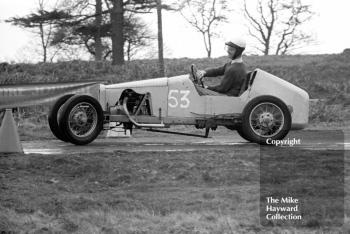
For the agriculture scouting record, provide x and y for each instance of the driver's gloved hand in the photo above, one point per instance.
(200, 74)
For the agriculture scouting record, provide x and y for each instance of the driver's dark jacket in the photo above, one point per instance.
(234, 76)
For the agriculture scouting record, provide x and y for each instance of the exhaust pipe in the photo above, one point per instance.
(125, 100)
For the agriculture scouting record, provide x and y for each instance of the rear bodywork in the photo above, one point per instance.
(177, 100)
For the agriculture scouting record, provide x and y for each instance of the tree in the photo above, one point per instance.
(160, 39)
(97, 36)
(117, 21)
(103, 27)
(119, 8)
(92, 28)
(276, 25)
(204, 16)
(42, 23)
(136, 35)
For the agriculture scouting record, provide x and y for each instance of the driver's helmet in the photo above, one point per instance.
(238, 43)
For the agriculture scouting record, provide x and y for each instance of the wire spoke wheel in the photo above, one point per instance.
(266, 119)
(82, 119)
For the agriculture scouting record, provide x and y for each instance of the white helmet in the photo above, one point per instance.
(237, 42)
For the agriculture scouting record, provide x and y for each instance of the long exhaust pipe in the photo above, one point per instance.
(161, 125)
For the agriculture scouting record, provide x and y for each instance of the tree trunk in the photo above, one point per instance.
(98, 23)
(43, 45)
(117, 33)
(267, 48)
(266, 52)
(128, 51)
(207, 48)
(160, 39)
(209, 45)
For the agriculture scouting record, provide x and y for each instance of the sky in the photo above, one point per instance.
(329, 27)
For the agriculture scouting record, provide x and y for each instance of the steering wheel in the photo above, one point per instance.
(196, 80)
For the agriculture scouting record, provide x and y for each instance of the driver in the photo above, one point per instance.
(234, 71)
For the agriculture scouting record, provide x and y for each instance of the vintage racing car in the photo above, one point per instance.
(266, 108)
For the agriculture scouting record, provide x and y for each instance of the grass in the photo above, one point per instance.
(323, 76)
(321, 112)
(209, 191)
(134, 222)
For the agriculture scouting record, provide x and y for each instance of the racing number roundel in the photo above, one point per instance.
(178, 98)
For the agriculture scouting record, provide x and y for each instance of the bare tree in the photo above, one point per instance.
(276, 25)
(204, 16)
(45, 37)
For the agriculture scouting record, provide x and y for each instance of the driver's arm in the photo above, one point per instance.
(228, 81)
(219, 71)
(223, 87)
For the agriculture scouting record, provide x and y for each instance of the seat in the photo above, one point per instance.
(248, 81)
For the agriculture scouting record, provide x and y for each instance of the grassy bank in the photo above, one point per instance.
(323, 76)
(214, 191)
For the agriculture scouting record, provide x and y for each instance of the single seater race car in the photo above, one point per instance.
(266, 108)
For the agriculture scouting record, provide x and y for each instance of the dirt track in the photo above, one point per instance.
(149, 141)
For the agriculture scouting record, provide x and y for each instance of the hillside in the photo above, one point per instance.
(323, 76)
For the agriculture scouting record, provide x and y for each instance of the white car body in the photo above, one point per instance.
(266, 108)
(180, 102)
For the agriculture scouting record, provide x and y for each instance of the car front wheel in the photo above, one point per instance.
(53, 118)
(81, 119)
(266, 118)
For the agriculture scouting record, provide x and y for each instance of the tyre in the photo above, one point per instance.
(239, 131)
(53, 117)
(242, 134)
(265, 117)
(81, 119)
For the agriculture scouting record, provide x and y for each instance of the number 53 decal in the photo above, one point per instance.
(178, 97)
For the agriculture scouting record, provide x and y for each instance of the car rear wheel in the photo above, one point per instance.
(53, 117)
(242, 134)
(81, 119)
(266, 118)
(239, 131)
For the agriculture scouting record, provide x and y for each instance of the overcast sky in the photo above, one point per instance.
(329, 26)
